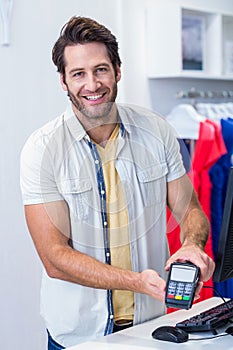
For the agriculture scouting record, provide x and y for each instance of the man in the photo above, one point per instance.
(95, 184)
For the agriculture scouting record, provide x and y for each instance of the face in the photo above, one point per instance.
(90, 80)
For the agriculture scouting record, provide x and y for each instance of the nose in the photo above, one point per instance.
(92, 82)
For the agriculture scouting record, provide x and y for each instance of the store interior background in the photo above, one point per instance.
(30, 96)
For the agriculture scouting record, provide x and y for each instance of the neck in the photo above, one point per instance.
(99, 129)
(101, 134)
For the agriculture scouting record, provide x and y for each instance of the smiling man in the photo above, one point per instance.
(96, 182)
(92, 83)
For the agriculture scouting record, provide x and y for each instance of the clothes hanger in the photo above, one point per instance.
(215, 111)
(185, 119)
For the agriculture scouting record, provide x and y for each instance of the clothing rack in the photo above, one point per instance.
(193, 94)
(219, 102)
(202, 105)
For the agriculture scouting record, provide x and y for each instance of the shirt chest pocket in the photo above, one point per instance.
(79, 196)
(152, 182)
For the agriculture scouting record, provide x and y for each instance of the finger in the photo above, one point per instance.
(198, 290)
(207, 270)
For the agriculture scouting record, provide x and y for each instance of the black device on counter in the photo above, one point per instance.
(224, 257)
(181, 285)
(170, 333)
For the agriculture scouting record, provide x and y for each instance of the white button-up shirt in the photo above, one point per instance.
(57, 163)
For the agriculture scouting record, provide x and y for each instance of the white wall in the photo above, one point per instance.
(30, 96)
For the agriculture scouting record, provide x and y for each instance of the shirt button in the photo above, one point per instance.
(102, 192)
(97, 161)
(111, 317)
(105, 223)
(107, 254)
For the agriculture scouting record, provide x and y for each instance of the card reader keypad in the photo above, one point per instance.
(179, 290)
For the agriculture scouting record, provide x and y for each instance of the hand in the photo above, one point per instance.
(194, 254)
(152, 284)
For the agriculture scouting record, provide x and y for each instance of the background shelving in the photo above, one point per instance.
(164, 43)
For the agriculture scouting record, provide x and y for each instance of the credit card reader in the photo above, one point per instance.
(181, 285)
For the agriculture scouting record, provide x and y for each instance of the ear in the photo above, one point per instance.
(118, 75)
(62, 81)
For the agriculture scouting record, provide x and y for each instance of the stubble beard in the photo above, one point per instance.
(97, 112)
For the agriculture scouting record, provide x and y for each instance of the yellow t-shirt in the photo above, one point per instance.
(123, 301)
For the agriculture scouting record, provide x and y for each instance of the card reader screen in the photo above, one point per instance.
(182, 273)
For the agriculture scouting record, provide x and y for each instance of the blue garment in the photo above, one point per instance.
(219, 177)
(52, 345)
(185, 151)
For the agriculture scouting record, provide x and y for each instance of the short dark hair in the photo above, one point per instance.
(82, 30)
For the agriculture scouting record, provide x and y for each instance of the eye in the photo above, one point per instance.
(78, 74)
(101, 70)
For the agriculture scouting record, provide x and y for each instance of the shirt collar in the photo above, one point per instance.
(78, 131)
(124, 120)
(74, 125)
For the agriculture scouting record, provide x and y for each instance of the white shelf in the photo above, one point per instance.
(190, 75)
(164, 43)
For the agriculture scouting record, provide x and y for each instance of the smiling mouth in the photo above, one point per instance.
(94, 97)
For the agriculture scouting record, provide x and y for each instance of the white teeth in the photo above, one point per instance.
(92, 98)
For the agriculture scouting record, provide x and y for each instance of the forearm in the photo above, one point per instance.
(49, 228)
(193, 235)
(194, 225)
(76, 267)
(73, 266)
(195, 228)
(186, 208)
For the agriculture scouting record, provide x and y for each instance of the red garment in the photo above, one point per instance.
(209, 148)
